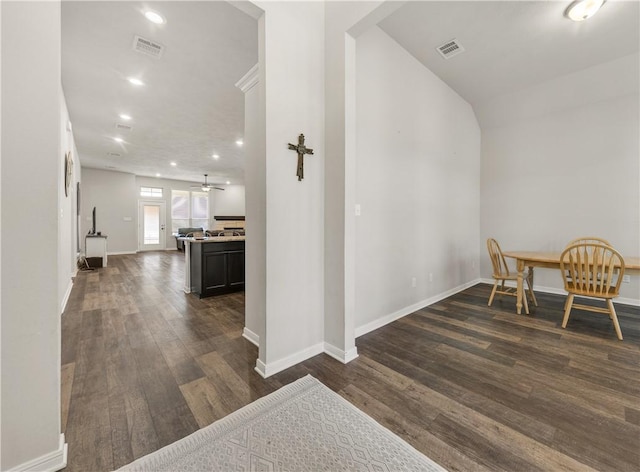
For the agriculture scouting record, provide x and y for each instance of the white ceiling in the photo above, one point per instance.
(189, 107)
(511, 45)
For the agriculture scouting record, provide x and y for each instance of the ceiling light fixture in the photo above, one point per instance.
(173, 164)
(206, 186)
(228, 182)
(124, 116)
(580, 10)
(135, 81)
(239, 142)
(118, 140)
(216, 156)
(157, 175)
(154, 17)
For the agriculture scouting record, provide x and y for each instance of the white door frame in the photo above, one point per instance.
(163, 226)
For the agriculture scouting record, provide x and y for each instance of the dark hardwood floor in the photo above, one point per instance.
(472, 387)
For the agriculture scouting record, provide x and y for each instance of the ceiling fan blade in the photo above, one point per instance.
(206, 186)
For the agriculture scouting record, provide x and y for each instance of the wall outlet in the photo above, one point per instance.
(626, 279)
(413, 281)
(430, 277)
(357, 209)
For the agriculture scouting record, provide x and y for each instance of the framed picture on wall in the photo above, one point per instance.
(78, 248)
(68, 172)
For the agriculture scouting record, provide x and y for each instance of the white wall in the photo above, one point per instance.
(230, 202)
(115, 196)
(1, 304)
(255, 225)
(67, 204)
(32, 153)
(294, 101)
(417, 172)
(561, 161)
(339, 233)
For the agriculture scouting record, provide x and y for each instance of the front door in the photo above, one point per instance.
(151, 229)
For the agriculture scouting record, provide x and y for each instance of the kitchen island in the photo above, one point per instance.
(213, 265)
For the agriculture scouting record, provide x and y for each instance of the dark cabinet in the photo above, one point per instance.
(217, 267)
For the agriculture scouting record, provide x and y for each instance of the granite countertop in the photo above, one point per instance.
(213, 239)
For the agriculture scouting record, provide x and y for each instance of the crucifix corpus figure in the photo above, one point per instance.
(301, 149)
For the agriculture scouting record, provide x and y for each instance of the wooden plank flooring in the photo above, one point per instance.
(473, 387)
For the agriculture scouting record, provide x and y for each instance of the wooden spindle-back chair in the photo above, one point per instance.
(593, 270)
(588, 240)
(501, 274)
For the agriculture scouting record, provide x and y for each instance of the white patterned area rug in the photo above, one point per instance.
(304, 426)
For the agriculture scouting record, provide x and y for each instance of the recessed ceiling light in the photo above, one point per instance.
(124, 116)
(216, 156)
(239, 142)
(135, 81)
(228, 182)
(157, 175)
(580, 10)
(154, 17)
(173, 164)
(118, 140)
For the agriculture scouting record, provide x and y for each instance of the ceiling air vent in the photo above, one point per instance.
(148, 47)
(450, 48)
(123, 127)
(113, 154)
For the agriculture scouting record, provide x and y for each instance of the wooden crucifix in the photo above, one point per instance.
(301, 149)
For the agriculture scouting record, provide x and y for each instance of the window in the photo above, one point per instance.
(179, 210)
(200, 209)
(189, 210)
(151, 192)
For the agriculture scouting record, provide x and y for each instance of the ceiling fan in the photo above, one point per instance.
(206, 187)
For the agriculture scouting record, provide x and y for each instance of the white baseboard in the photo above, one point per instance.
(271, 368)
(560, 291)
(121, 253)
(266, 370)
(339, 354)
(380, 322)
(625, 301)
(65, 297)
(261, 368)
(49, 462)
(252, 337)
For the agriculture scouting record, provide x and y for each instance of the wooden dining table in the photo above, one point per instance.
(549, 260)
